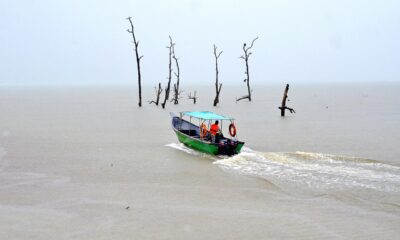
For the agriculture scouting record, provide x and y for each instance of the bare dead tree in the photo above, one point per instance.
(283, 106)
(246, 57)
(217, 87)
(177, 91)
(193, 97)
(167, 89)
(158, 93)
(136, 43)
(177, 95)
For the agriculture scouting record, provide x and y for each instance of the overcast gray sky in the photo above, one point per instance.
(85, 42)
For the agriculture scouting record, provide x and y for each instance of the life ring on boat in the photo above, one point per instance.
(232, 130)
(203, 130)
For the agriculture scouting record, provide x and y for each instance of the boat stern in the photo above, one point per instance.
(229, 147)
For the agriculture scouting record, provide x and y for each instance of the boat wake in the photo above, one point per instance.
(315, 172)
(311, 173)
(183, 148)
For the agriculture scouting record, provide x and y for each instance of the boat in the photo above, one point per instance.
(197, 136)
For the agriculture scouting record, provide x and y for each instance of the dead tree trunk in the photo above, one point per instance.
(158, 93)
(283, 106)
(245, 57)
(193, 97)
(217, 87)
(136, 43)
(177, 91)
(167, 89)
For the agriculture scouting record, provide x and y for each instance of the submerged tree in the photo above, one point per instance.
(245, 57)
(283, 106)
(136, 43)
(167, 89)
(193, 97)
(177, 91)
(158, 93)
(217, 87)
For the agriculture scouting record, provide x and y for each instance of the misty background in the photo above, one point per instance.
(85, 42)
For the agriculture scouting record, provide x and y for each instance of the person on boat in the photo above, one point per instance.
(215, 132)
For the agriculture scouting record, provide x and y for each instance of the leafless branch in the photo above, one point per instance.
(218, 86)
(136, 44)
(252, 43)
(246, 57)
(241, 98)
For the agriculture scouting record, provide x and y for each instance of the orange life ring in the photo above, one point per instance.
(203, 130)
(232, 130)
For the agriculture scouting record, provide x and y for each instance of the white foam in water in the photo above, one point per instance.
(315, 171)
(182, 147)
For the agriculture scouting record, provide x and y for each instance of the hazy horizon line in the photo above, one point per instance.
(183, 85)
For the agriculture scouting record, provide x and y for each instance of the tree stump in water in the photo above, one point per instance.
(158, 93)
(283, 107)
(193, 97)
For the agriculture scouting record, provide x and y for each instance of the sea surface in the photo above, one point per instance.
(88, 163)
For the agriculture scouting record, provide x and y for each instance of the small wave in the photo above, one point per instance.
(16, 179)
(2, 160)
(315, 171)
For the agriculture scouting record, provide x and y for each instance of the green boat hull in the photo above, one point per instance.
(206, 147)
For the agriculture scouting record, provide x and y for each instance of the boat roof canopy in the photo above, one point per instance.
(206, 115)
